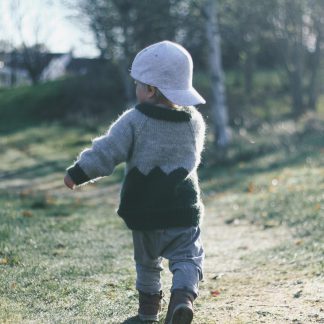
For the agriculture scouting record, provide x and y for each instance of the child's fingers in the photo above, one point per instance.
(69, 182)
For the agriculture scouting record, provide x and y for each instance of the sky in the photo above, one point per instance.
(59, 32)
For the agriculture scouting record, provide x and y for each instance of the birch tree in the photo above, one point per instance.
(295, 23)
(218, 99)
(317, 30)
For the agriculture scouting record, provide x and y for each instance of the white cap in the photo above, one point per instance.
(167, 66)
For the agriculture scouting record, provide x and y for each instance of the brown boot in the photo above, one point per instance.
(149, 306)
(180, 310)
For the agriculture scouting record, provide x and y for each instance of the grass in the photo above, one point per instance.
(66, 257)
(59, 252)
(279, 180)
(82, 100)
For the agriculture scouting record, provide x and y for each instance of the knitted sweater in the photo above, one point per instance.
(162, 149)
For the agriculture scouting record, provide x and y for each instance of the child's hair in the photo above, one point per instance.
(159, 97)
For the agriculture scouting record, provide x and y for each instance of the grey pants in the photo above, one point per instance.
(181, 246)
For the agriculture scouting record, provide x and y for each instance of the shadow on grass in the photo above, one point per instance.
(136, 320)
(40, 169)
(45, 168)
(237, 177)
(238, 170)
(133, 320)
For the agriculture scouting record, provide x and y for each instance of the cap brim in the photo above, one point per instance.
(189, 97)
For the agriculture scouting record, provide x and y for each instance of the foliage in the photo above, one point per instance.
(82, 100)
(255, 34)
(86, 100)
(34, 60)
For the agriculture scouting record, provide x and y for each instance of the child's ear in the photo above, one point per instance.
(151, 91)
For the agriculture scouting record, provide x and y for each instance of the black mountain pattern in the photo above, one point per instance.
(159, 200)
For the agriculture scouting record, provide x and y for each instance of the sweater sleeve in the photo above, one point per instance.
(199, 133)
(106, 152)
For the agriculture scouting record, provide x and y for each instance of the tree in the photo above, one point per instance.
(286, 33)
(218, 104)
(316, 28)
(34, 59)
(32, 53)
(243, 26)
(290, 35)
(122, 27)
(294, 23)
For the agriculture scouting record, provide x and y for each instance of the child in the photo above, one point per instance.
(161, 140)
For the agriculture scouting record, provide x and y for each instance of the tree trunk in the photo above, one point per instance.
(13, 76)
(297, 93)
(248, 72)
(315, 66)
(296, 81)
(218, 102)
(129, 90)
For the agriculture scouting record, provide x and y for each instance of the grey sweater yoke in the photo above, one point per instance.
(162, 150)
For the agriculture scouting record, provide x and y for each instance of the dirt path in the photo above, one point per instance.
(248, 276)
(250, 280)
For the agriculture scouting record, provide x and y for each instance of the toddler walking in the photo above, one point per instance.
(161, 140)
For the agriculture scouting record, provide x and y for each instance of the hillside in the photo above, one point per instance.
(66, 257)
(72, 100)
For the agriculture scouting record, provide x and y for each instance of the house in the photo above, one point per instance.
(13, 71)
(56, 68)
(10, 76)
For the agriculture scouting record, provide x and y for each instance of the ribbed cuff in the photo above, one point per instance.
(77, 174)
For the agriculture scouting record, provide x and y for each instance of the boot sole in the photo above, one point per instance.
(182, 315)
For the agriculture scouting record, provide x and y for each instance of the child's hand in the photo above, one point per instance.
(69, 182)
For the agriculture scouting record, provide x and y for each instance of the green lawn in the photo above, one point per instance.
(65, 256)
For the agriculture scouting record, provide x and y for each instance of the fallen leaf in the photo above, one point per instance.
(299, 242)
(27, 213)
(26, 193)
(49, 200)
(215, 293)
(264, 214)
(272, 189)
(251, 187)
(3, 261)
